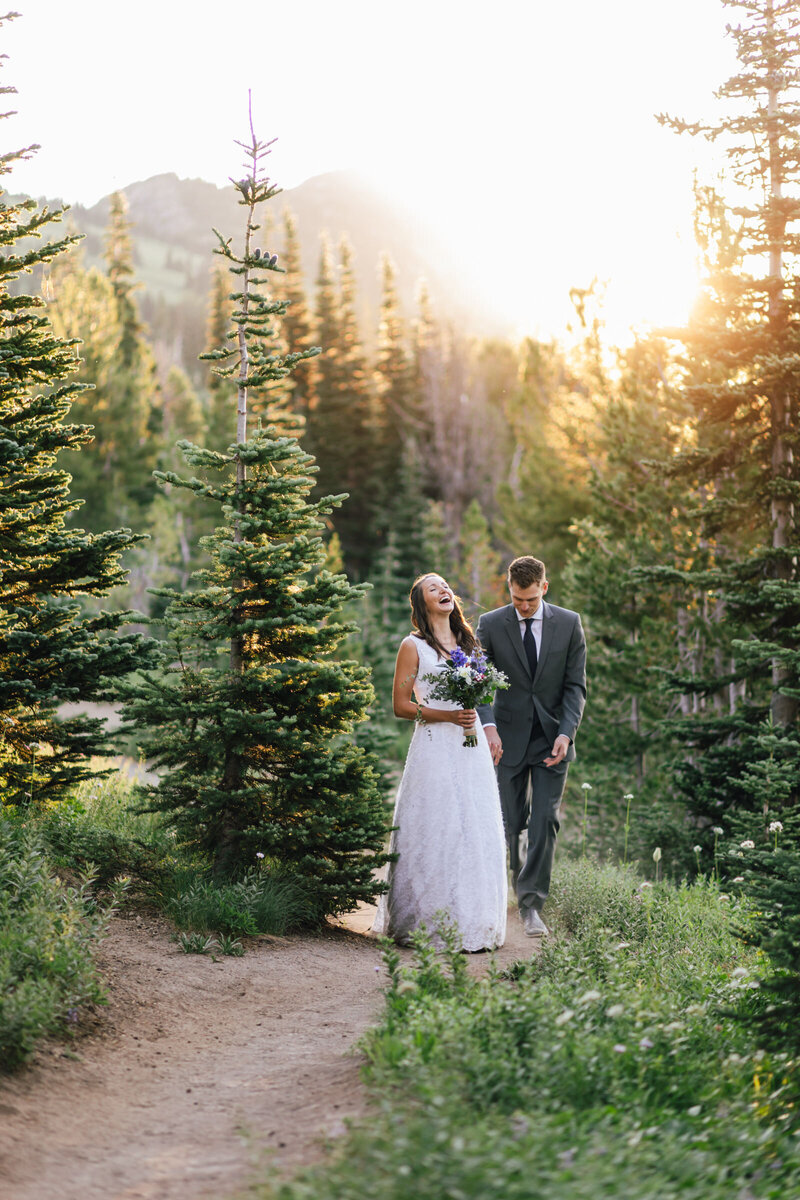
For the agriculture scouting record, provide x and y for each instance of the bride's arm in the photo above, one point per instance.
(403, 702)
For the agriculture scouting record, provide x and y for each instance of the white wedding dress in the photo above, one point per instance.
(449, 835)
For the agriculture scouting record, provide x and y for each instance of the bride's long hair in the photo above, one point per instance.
(461, 628)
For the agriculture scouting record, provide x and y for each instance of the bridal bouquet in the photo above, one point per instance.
(467, 680)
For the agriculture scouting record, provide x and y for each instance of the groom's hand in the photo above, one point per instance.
(560, 748)
(495, 745)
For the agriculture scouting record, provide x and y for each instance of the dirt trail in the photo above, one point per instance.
(196, 1069)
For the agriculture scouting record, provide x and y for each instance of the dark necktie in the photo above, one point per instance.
(529, 642)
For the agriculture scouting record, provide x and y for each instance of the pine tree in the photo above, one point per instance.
(342, 424)
(297, 323)
(50, 651)
(326, 332)
(743, 381)
(478, 575)
(550, 417)
(220, 312)
(394, 419)
(121, 404)
(256, 749)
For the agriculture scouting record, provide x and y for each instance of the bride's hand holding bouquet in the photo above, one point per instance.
(466, 680)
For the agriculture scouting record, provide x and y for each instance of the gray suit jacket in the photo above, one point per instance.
(557, 693)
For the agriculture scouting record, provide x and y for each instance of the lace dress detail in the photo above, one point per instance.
(449, 835)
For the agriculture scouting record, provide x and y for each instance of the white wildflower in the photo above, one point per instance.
(739, 972)
(716, 830)
(619, 1048)
(775, 827)
(616, 1010)
(646, 1044)
(586, 787)
(565, 1016)
(628, 796)
(748, 844)
(657, 854)
(697, 849)
(588, 997)
(739, 879)
(694, 1111)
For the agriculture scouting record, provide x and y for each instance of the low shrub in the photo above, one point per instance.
(265, 901)
(98, 827)
(48, 934)
(615, 1063)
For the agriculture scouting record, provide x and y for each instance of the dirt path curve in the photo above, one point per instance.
(196, 1068)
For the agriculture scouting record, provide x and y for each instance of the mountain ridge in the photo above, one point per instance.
(172, 231)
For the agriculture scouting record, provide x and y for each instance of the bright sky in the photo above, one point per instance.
(521, 131)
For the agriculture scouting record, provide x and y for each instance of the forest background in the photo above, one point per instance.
(622, 468)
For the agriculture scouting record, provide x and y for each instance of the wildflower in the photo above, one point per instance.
(748, 844)
(34, 746)
(723, 897)
(619, 1048)
(646, 1044)
(616, 1010)
(587, 997)
(622, 945)
(657, 854)
(739, 879)
(716, 830)
(738, 972)
(565, 1016)
(645, 884)
(628, 796)
(377, 968)
(259, 853)
(775, 827)
(697, 849)
(586, 787)
(694, 1111)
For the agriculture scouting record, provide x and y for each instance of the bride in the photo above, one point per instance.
(448, 826)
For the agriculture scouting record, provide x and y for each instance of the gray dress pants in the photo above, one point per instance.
(530, 793)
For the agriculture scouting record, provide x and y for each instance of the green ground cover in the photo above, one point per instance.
(618, 1063)
(66, 867)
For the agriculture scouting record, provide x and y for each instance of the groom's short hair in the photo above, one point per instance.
(526, 571)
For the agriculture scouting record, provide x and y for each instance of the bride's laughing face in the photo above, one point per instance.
(439, 598)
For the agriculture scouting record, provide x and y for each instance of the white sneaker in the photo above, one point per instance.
(533, 924)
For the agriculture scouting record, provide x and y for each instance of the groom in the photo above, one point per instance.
(531, 726)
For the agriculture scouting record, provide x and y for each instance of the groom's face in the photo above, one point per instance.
(527, 600)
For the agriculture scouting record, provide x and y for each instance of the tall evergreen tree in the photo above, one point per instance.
(50, 651)
(218, 328)
(114, 473)
(256, 750)
(743, 381)
(393, 416)
(341, 423)
(550, 416)
(297, 321)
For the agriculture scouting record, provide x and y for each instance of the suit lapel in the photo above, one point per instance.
(512, 629)
(547, 637)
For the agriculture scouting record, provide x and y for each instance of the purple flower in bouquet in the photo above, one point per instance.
(466, 680)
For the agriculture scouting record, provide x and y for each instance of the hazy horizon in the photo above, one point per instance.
(534, 123)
